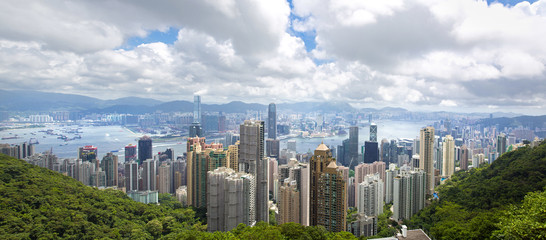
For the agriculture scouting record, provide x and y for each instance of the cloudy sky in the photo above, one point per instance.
(453, 55)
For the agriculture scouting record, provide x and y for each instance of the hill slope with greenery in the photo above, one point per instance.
(477, 204)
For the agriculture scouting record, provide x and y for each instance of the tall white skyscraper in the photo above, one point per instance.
(408, 194)
(197, 109)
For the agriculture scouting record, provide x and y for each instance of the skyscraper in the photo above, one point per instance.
(299, 172)
(149, 175)
(253, 161)
(426, 158)
(501, 144)
(328, 192)
(164, 178)
(88, 153)
(373, 132)
(144, 149)
(197, 109)
(289, 202)
(272, 148)
(371, 152)
(351, 153)
(408, 194)
(109, 165)
(272, 121)
(131, 176)
(130, 153)
(448, 156)
(370, 195)
(464, 158)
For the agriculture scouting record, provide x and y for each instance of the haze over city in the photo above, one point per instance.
(456, 55)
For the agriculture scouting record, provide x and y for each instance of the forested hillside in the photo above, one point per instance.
(487, 203)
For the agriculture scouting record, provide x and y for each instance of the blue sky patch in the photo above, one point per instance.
(509, 2)
(168, 37)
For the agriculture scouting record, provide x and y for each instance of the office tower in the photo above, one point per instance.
(88, 154)
(272, 175)
(252, 160)
(373, 132)
(233, 157)
(371, 152)
(109, 165)
(409, 190)
(272, 121)
(230, 199)
(351, 195)
(328, 193)
(385, 150)
(291, 145)
(130, 153)
(289, 202)
(196, 130)
(464, 158)
(448, 156)
(144, 149)
(501, 144)
(426, 161)
(370, 195)
(164, 178)
(197, 109)
(352, 152)
(131, 176)
(272, 148)
(168, 154)
(149, 175)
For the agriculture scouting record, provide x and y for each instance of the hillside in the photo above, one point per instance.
(476, 204)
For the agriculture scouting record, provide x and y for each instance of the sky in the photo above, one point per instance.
(438, 55)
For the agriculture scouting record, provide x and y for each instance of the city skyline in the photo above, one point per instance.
(420, 55)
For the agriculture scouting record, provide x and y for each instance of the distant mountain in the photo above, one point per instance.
(316, 107)
(530, 122)
(133, 101)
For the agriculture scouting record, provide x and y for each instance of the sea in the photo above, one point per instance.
(115, 138)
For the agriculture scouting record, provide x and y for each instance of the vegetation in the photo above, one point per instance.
(486, 203)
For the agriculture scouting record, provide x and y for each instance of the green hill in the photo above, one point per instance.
(38, 203)
(477, 204)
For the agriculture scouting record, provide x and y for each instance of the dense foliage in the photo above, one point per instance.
(477, 204)
(36, 203)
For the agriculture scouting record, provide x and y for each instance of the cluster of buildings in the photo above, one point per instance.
(246, 176)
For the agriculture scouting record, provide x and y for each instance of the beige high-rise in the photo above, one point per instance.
(426, 158)
(289, 202)
(448, 166)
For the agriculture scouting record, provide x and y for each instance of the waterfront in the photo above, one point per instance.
(115, 138)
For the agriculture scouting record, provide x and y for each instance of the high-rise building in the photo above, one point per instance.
(131, 176)
(197, 166)
(352, 152)
(272, 121)
(464, 158)
(370, 195)
(109, 165)
(233, 156)
(88, 154)
(230, 199)
(328, 192)
(253, 161)
(196, 130)
(385, 151)
(272, 176)
(289, 202)
(409, 190)
(426, 161)
(144, 149)
(179, 169)
(365, 169)
(164, 178)
(130, 153)
(197, 109)
(149, 175)
(272, 148)
(448, 156)
(373, 132)
(371, 152)
(501, 144)
(299, 172)
(390, 174)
